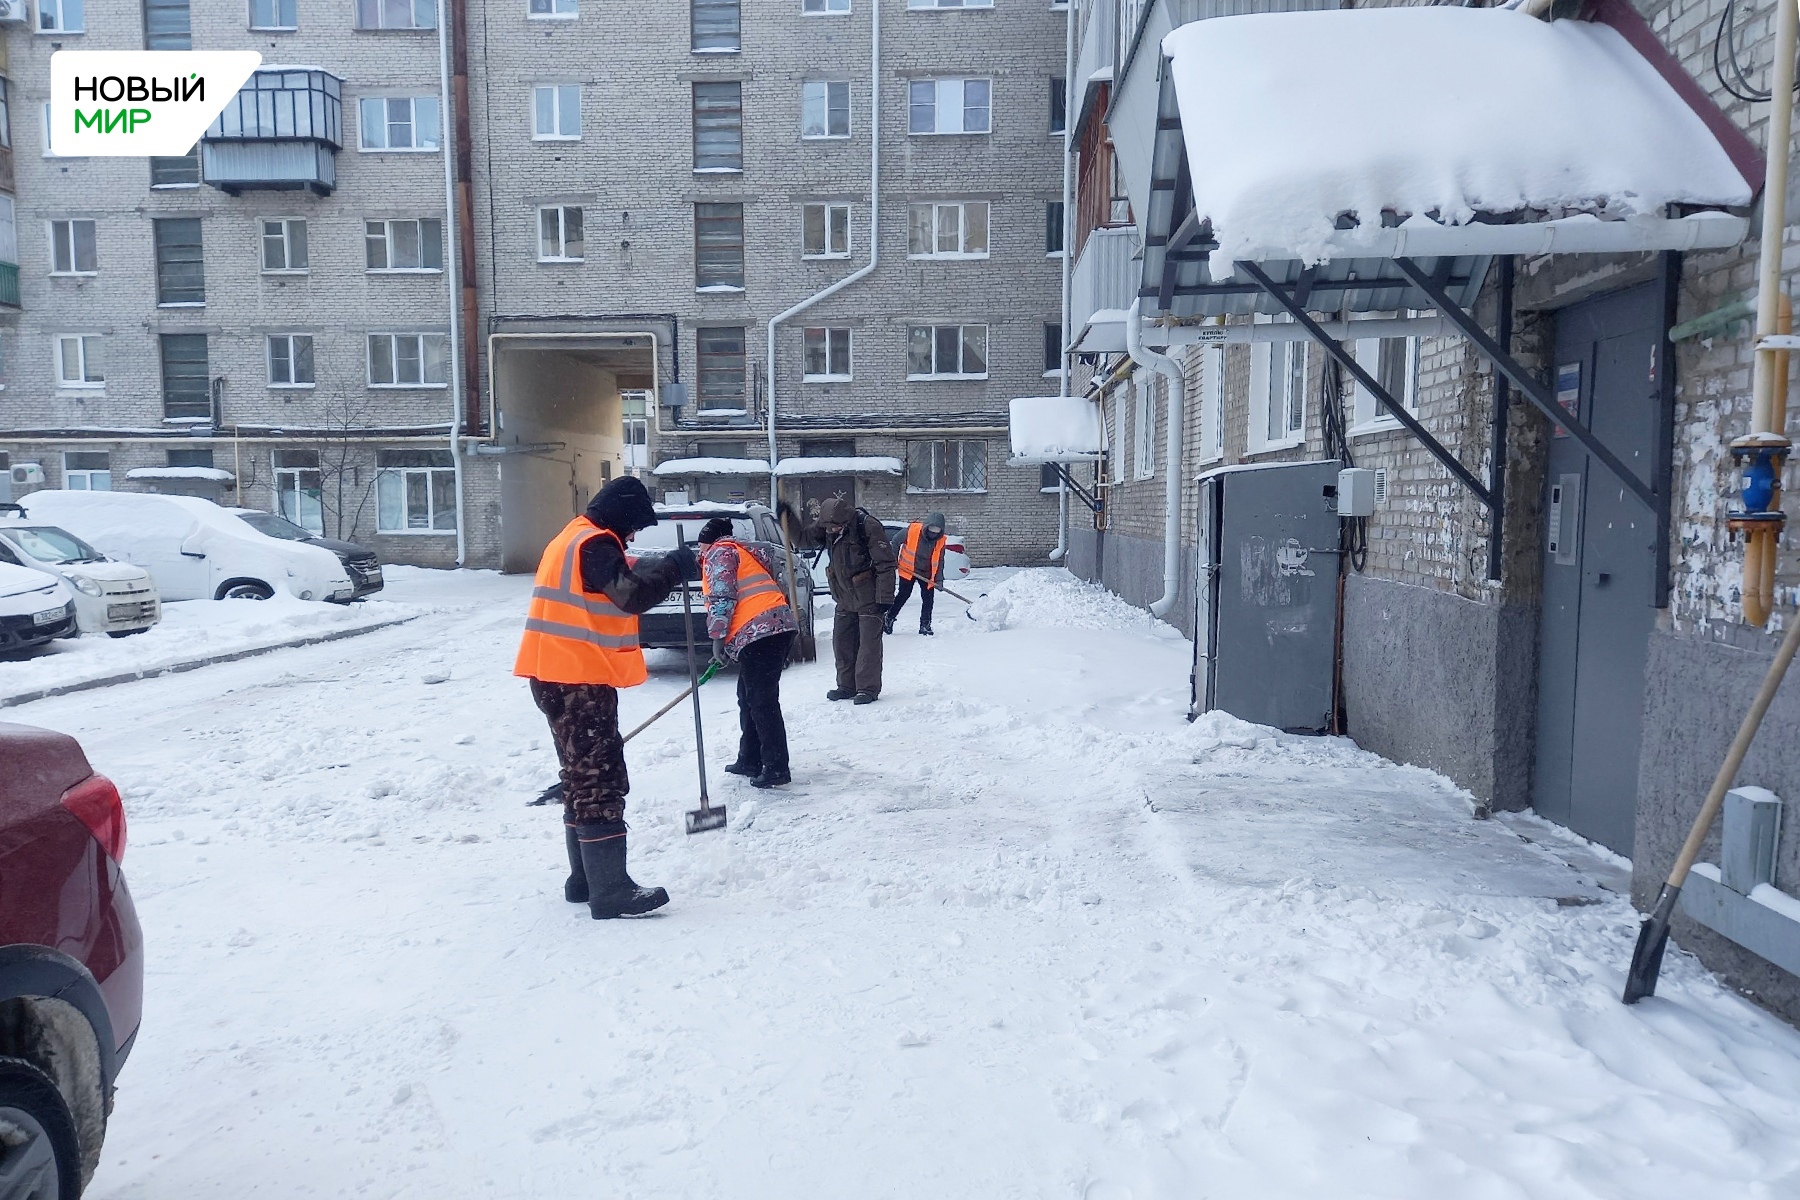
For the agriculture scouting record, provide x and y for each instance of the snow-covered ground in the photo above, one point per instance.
(1017, 930)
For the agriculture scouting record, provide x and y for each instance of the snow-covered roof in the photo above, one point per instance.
(859, 464)
(1055, 429)
(1453, 114)
(212, 474)
(711, 466)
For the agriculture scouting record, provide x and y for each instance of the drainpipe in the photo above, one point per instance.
(451, 280)
(1068, 259)
(861, 272)
(1762, 453)
(1170, 370)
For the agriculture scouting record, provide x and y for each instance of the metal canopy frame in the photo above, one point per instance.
(1092, 501)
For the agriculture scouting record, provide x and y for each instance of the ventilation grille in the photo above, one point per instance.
(1381, 485)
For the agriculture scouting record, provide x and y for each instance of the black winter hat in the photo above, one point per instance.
(622, 506)
(713, 530)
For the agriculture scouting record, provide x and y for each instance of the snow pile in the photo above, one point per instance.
(860, 464)
(1051, 598)
(1055, 428)
(1500, 112)
(711, 466)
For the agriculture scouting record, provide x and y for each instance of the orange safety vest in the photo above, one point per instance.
(573, 635)
(757, 591)
(909, 555)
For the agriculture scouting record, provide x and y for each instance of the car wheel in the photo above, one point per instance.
(119, 633)
(245, 589)
(39, 1156)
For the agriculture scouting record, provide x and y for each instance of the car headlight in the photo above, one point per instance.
(84, 585)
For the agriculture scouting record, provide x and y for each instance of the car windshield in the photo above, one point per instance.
(47, 543)
(661, 536)
(275, 527)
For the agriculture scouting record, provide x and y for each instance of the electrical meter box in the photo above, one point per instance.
(1356, 492)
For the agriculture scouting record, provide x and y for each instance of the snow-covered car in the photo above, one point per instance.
(35, 608)
(360, 561)
(661, 627)
(194, 549)
(114, 598)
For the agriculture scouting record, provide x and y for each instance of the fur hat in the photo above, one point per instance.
(834, 511)
(622, 506)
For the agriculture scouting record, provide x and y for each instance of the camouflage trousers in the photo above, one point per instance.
(584, 724)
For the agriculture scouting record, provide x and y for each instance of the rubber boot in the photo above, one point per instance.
(611, 890)
(575, 888)
(741, 767)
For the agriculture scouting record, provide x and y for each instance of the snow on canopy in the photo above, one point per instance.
(213, 474)
(1444, 111)
(1055, 428)
(859, 464)
(712, 466)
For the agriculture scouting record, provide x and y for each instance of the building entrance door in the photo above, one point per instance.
(1599, 570)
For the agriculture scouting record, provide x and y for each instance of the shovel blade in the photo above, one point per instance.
(701, 820)
(1653, 939)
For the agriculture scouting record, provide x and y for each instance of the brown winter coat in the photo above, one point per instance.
(861, 569)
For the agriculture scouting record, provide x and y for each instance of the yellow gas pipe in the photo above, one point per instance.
(1759, 543)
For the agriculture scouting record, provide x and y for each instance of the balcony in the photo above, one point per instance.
(9, 285)
(281, 132)
(1102, 287)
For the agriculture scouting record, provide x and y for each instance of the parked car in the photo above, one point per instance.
(71, 962)
(662, 626)
(956, 555)
(360, 561)
(194, 549)
(34, 609)
(114, 598)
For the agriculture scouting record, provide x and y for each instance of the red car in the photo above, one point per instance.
(71, 963)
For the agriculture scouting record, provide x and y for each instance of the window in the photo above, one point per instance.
(946, 352)
(396, 14)
(958, 229)
(60, 16)
(719, 246)
(1053, 227)
(167, 25)
(398, 122)
(825, 108)
(721, 366)
(404, 245)
(1212, 404)
(1278, 390)
(554, 10)
(1143, 446)
(559, 234)
(827, 354)
(953, 466)
(180, 271)
(5, 115)
(407, 360)
(72, 248)
(201, 456)
(719, 126)
(298, 489)
(1394, 362)
(1052, 347)
(290, 360)
(1059, 105)
(415, 491)
(635, 406)
(949, 3)
(717, 26)
(187, 391)
(825, 231)
(1050, 478)
(182, 171)
(78, 361)
(87, 471)
(274, 14)
(556, 113)
(814, 8)
(284, 245)
(950, 106)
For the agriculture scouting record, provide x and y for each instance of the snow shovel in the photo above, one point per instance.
(555, 790)
(706, 817)
(968, 612)
(1653, 934)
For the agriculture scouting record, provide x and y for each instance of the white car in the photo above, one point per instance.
(34, 608)
(194, 549)
(114, 598)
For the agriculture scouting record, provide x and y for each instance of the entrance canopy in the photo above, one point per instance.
(1055, 429)
(855, 464)
(677, 467)
(1324, 145)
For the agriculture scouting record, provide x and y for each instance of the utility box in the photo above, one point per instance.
(1356, 492)
(1266, 605)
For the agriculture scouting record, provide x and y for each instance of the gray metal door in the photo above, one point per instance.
(1206, 600)
(1599, 571)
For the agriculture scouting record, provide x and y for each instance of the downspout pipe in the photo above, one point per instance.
(862, 272)
(1067, 362)
(1170, 370)
(452, 283)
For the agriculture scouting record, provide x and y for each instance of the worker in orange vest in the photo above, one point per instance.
(581, 647)
(921, 561)
(751, 623)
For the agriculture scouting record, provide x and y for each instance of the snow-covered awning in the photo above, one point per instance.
(1457, 132)
(673, 467)
(209, 474)
(1051, 429)
(859, 464)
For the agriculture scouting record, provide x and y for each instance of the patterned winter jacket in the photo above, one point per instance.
(721, 566)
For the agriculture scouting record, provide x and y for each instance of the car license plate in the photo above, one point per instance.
(49, 616)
